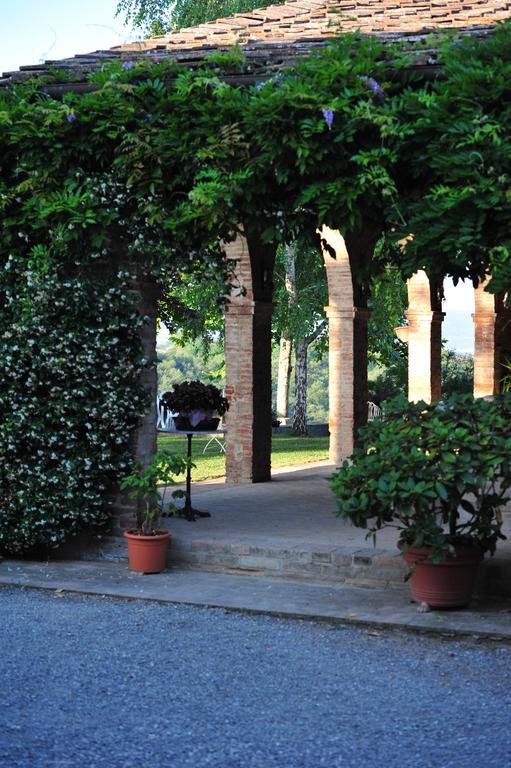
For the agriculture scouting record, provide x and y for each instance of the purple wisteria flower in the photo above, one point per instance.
(373, 86)
(127, 65)
(71, 117)
(260, 85)
(329, 115)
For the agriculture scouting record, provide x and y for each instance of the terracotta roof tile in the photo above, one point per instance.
(320, 18)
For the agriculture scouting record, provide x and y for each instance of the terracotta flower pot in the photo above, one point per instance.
(402, 332)
(206, 425)
(448, 584)
(147, 554)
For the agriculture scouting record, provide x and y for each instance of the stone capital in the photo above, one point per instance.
(481, 318)
(240, 310)
(424, 317)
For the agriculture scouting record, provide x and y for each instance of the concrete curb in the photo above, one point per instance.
(380, 609)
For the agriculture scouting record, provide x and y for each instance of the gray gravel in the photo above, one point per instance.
(102, 683)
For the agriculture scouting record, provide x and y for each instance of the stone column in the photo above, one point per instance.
(492, 340)
(424, 336)
(347, 352)
(248, 361)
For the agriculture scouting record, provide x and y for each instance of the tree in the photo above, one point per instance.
(184, 362)
(300, 295)
(455, 192)
(159, 16)
(457, 373)
(286, 342)
(192, 306)
(387, 302)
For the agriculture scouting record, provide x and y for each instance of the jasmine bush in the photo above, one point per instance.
(69, 400)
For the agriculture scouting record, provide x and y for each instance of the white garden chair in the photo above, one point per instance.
(373, 411)
(164, 417)
(215, 439)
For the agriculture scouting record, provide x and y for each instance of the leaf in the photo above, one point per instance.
(441, 490)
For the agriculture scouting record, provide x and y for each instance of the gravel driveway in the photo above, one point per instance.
(101, 683)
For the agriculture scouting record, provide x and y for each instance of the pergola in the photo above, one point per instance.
(271, 38)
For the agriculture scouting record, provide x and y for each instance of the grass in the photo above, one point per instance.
(286, 451)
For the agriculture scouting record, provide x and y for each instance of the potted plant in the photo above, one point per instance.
(147, 543)
(440, 474)
(196, 403)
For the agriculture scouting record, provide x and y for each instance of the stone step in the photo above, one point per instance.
(366, 567)
(363, 567)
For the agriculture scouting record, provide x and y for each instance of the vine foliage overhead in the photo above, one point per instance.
(144, 176)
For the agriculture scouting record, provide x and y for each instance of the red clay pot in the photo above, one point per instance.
(147, 554)
(206, 425)
(448, 584)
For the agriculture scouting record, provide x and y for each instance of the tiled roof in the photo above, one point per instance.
(271, 37)
(301, 20)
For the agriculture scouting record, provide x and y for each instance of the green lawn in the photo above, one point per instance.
(286, 451)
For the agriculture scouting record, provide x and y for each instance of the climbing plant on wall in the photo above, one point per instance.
(83, 221)
(70, 397)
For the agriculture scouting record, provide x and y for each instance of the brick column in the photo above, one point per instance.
(492, 340)
(424, 336)
(347, 351)
(144, 439)
(347, 380)
(248, 361)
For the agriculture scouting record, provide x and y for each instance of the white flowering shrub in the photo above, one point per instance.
(69, 400)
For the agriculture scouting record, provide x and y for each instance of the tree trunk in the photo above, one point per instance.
(300, 409)
(284, 375)
(286, 343)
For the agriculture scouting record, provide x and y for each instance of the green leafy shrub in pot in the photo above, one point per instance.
(438, 473)
(142, 481)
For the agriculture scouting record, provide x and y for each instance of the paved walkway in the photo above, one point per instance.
(389, 608)
(277, 548)
(287, 528)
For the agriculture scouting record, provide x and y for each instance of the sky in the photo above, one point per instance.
(458, 327)
(32, 31)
